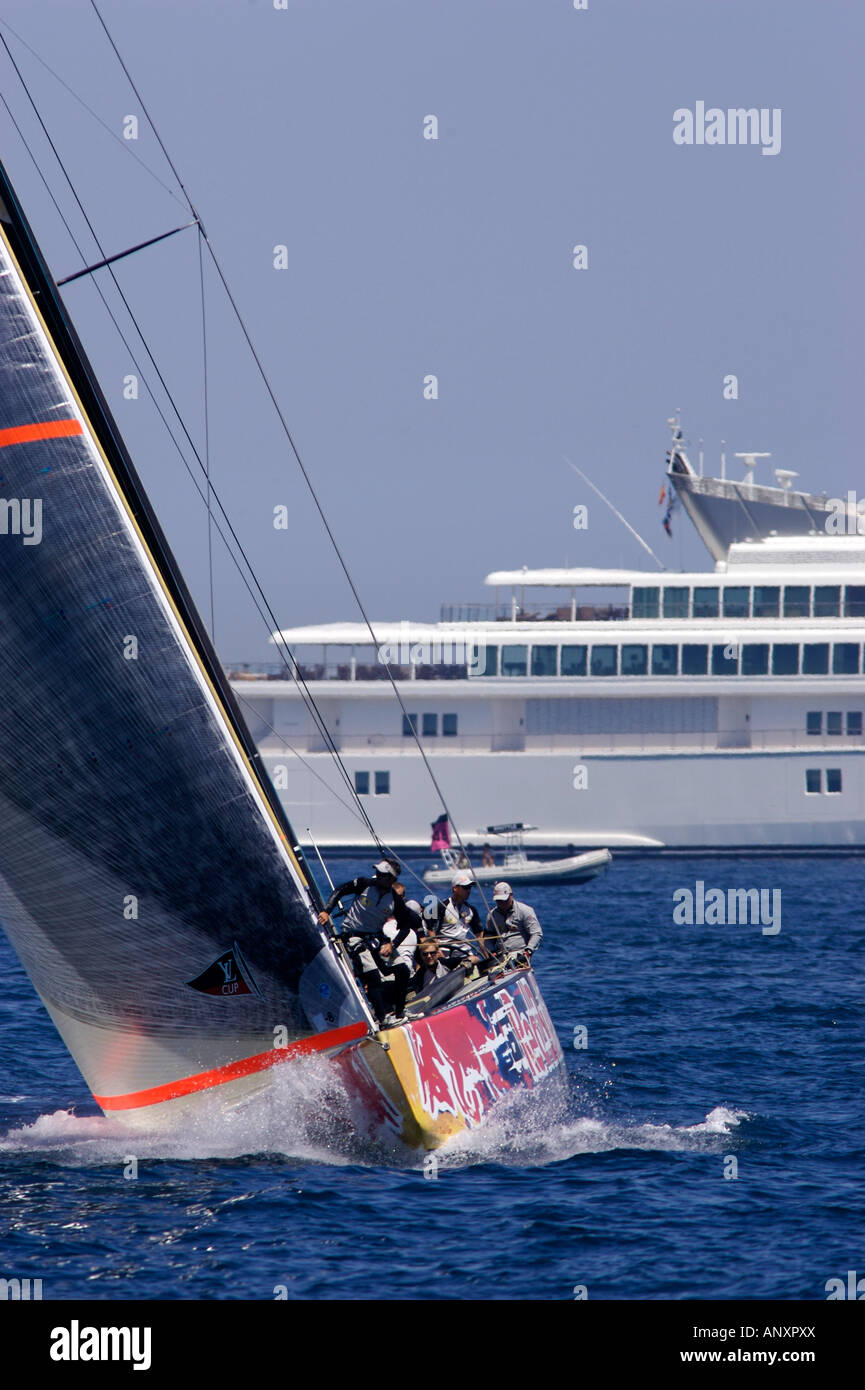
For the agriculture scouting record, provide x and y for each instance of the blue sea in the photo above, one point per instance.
(710, 1147)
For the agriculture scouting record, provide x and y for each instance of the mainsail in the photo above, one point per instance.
(142, 848)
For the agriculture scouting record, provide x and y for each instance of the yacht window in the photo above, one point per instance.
(635, 660)
(785, 659)
(833, 721)
(815, 659)
(695, 660)
(514, 661)
(644, 603)
(604, 661)
(767, 601)
(755, 659)
(430, 726)
(833, 780)
(361, 783)
(736, 603)
(488, 661)
(543, 661)
(725, 659)
(382, 784)
(705, 603)
(409, 725)
(797, 601)
(676, 603)
(574, 661)
(827, 600)
(854, 723)
(814, 721)
(449, 725)
(854, 601)
(813, 780)
(665, 660)
(845, 659)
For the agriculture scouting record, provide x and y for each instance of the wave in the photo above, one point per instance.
(306, 1116)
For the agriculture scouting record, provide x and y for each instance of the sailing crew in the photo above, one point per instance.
(396, 965)
(457, 925)
(377, 900)
(430, 965)
(513, 926)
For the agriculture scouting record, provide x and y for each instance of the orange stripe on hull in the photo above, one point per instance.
(205, 1080)
(48, 429)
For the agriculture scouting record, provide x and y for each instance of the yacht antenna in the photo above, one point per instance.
(615, 512)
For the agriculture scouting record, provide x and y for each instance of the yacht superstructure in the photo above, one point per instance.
(720, 709)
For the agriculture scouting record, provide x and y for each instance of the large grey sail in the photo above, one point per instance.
(138, 850)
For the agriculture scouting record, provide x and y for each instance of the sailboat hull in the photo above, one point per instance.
(417, 1085)
(435, 1077)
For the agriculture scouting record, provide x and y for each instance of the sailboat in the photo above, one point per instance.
(150, 882)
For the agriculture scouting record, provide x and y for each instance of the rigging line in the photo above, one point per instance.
(127, 146)
(335, 545)
(266, 380)
(242, 699)
(128, 75)
(206, 438)
(382, 844)
(616, 513)
(302, 686)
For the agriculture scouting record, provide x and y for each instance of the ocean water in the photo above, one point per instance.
(710, 1146)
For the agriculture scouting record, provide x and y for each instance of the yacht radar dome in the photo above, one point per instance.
(750, 460)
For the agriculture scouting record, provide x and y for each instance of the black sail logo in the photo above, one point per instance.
(227, 976)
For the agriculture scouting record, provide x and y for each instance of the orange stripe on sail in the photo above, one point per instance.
(205, 1080)
(48, 429)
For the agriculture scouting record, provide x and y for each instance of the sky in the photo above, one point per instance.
(406, 257)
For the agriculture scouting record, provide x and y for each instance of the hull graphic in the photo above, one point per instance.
(443, 1074)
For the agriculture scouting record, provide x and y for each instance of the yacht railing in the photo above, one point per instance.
(343, 671)
(720, 740)
(533, 612)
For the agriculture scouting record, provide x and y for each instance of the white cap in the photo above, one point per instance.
(415, 906)
(462, 880)
(501, 892)
(383, 867)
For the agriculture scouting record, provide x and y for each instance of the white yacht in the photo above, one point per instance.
(719, 710)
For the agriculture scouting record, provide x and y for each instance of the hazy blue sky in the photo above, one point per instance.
(408, 256)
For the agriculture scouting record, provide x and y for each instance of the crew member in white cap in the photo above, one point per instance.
(375, 900)
(457, 925)
(514, 924)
